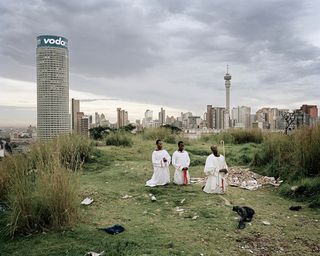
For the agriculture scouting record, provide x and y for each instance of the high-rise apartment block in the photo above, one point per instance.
(162, 116)
(241, 117)
(75, 108)
(215, 117)
(122, 118)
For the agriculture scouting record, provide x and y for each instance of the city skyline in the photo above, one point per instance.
(274, 61)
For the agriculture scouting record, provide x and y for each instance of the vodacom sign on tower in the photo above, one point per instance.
(54, 41)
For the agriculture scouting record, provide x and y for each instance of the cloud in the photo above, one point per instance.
(172, 53)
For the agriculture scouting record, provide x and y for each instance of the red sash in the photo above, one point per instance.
(185, 177)
(222, 184)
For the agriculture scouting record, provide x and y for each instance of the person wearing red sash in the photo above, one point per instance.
(181, 162)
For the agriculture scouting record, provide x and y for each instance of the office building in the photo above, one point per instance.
(162, 116)
(52, 86)
(75, 108)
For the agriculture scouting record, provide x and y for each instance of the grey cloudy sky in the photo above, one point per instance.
(149, 53)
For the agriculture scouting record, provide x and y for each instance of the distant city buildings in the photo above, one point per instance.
(308, 115)
(215, 117)
(52, 86)
(122, 118)
(75, 108)
(241, 117)
(162, 116)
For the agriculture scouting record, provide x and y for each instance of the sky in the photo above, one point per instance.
(148, 54)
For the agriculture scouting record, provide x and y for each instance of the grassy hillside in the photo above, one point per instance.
(155, 228)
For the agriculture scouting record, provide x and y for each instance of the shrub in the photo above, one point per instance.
(74, 150)
(119, 139)
(216, 138)
(307, 150)
(307, 189)
(40, 188)
(156, 133)
(38, 201)
(242, 136)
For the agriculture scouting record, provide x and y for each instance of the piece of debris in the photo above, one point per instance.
(294, 188)
(195, 217)
(126, 197)
(182, 201)
(116, 229)
(94, 254)
(244, 178)
(295, 208)
(153, 198)
(266, 222)
(198, 180)
(87, 201)
(178, 209)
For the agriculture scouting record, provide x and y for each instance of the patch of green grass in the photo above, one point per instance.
(156, 228)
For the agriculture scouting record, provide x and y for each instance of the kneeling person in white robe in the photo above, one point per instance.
(216, 170)
(161, 161)
(181, 162)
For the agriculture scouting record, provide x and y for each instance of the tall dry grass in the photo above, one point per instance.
(40, 188)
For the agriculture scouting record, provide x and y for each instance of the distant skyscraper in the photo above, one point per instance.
(215, 117)
(162, 116)
(80, 115)
(75, 108)
(227, 78)
(241, 117)
(148, 115)
(52, 86)
(84, 126)
(122, 118)
(97, 118)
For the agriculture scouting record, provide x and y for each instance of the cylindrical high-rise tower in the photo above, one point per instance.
(52, 86)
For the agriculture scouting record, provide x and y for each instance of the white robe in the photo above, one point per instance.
(161, 173)
(216, 182)
(180, 160)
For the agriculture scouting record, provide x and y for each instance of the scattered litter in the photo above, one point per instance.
(198, 180)
(87, 201)
(195, 217)
(244, 178)
(294, 188)
(182, 201)
(178, 209)
(126, 197)
(266, 222)
(116, 229)
(295, 208)
(94, 254)
(152, 197)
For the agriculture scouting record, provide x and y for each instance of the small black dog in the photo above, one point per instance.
(246, 215)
